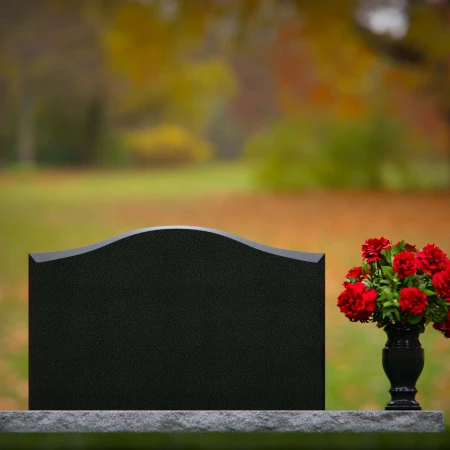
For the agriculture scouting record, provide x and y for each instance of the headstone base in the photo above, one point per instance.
(221, 421)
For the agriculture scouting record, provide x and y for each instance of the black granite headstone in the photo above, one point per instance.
(177, 318)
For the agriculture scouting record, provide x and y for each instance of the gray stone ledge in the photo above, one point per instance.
(221, 421)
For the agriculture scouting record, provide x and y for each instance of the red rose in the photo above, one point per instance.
(431, 259)
(441, 282)
(372, 249)
(404, 264)
(356, 303)
(355, 272)
(409, 247)
(412, 300)
(444, 327)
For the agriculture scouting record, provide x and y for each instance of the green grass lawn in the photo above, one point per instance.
(57, 210)
(236, 441)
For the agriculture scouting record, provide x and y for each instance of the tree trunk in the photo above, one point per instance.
(94, 128)
(441, 86)
(26, 146)
(2, 123)
(446, 113)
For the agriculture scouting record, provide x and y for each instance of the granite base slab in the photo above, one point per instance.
(221, 421)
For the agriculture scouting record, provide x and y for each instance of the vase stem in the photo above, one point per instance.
(403, 361)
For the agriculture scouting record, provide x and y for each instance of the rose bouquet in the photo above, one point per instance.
(396, 284)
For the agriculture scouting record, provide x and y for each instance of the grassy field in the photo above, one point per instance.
(49, 211)
(235, 441)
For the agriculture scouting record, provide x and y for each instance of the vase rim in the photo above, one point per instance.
(404, 326)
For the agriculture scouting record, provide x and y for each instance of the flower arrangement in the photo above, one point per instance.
(396, 284)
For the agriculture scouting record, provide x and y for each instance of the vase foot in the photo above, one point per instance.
(403, 406)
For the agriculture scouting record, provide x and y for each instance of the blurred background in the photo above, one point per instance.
(305, 125)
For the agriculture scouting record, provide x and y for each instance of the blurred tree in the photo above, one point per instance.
(44, 47)
(158, 54)
(130, 63)
(420, 42)
(321, 63)
(3, 109)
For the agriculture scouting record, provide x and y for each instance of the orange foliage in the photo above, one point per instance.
(351, 107)
(323, 64)
(321, 94)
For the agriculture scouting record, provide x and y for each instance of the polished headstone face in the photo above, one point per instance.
(177, 318)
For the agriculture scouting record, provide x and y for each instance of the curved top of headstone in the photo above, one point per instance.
(52, 256)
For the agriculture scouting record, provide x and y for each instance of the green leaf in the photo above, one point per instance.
(388, 271)
(395, 249)
(415, 319)
(388, 311)
(387, 254)
(392, 313)
(389, 303)
(388, 294)
(423, 286)
(397, 314)
(428, 293)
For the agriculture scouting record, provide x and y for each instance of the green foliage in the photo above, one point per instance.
(59, 136)
(283, 151)
(112, 151)
(60, 133)
(322, 151)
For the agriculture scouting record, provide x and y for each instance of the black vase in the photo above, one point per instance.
(403, 360)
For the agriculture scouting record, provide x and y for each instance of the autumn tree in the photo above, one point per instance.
(44, 47)
(130, 62)
(422, 49)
